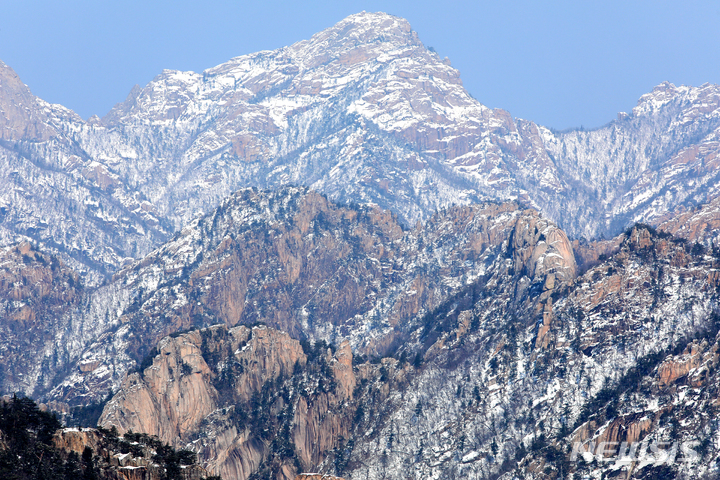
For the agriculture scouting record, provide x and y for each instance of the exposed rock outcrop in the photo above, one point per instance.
(301, 264)
(694, 364)
(134, 457)
(255, 389)
(700, 224)
(21, 113)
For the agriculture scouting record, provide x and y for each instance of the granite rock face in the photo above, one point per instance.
(299, 263)
(21, 114)
(247, 400)
(506, 367)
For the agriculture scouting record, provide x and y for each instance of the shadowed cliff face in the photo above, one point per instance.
(37, 296)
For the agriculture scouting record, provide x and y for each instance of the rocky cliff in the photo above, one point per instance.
(410, 316)
(34, 445)
(514, 390)
(499, 379)
(37, 294)
(249, 401)
(301, 264)
(128, 457)
(500, 358)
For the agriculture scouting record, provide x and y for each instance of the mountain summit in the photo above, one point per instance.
(362, 112)
(322, 258)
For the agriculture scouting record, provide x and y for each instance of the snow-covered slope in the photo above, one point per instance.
(355, 112)
(484, 296)
(53, 192)
(501, 376)
(643, 165)
(362, 112)
(299, 263)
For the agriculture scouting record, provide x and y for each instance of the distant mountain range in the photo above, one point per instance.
(362, 112)
(331, 257)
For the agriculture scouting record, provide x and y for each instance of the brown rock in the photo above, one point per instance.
(543, 339)
(316, 476)
(181, 390)
(112, 463)
(75, 440)
(627, 428)
(688, 364)
(540, 248)
(20, 116)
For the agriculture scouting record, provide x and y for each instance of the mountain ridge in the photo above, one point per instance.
(363, 278)
(334, 244)
(362, 112)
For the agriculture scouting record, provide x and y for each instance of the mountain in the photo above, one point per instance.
(436, 350)
(55, 194)
(500, 379)
(362, 112)
(330, 257)
(299, 263)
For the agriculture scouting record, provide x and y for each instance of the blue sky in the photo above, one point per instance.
(562, 64)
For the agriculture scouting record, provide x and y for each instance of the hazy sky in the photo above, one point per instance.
(561, 64)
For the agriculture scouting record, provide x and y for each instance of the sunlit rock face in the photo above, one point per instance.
(297, 262)
(528, 353)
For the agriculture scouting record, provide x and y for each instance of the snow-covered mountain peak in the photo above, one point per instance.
(367, 28)
(358, 35)
(362, 112)
(705, 97)
(654, 100)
